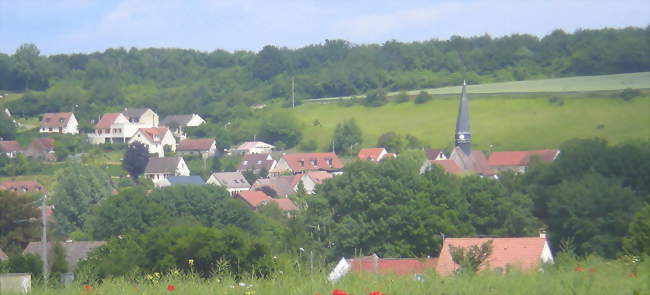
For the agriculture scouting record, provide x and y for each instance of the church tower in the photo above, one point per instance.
(463, 138)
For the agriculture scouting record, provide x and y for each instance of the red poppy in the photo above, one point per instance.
(376, 293)
(631, 276)
(579, 269)
(338, 292)
(88, 287)
(592, 270)
(171, 288)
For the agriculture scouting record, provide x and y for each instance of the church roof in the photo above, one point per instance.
(462, 138)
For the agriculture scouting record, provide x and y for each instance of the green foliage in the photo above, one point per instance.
(58, 265)
(79, 189)
(129, 211)
(391, 141)
(7, 126)
(402, 97)
(135, 160)
(26, 263)
(229, 163)
(423, 97)
(281, 127)
(309, 145)
(375, 98)
(470, 259)
(347, 137)
(17, 231)
(630, 93)
(637, 240)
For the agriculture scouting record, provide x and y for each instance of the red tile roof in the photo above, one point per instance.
(285, 204)
(432, 154)
(312, 161)
(545, 156)
(44, 144)
(319, 176)
(449, 166)
(481, 165)
(55, 120)
(154, 134)
(8, 146)
(106, 120)
(23, 186)
(399, 266)
(517, 158)
(196, 144)
(254, 198)
(371, 154)
(524, 253)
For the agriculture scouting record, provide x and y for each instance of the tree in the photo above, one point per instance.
(7, 126)
(470, 259)
(402, 97)
(79, 189)
(375, 98)
(135, 160)
(637, 240)
(26, 57)
(15, 226)
(281, 126)
(423, 97)
(391, 141)
(26, 263)
(269, 63)
(59, 264)
(347, 136)
(129, 211)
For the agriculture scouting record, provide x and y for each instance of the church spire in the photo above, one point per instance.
(463, 138)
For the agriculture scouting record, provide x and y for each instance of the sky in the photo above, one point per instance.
(84, 26)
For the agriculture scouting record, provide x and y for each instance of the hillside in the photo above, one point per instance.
(514, 121)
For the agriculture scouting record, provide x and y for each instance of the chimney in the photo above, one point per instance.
(542, 234)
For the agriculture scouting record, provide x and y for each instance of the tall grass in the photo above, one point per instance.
(596, 276)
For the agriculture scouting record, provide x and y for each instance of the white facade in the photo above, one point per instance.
(159, 178)
(156, 144)
(72, 127)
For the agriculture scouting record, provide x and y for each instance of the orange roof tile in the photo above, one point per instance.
(516, 158)
(55, 120)
(524, 253)
(8, 146)
(371, 154)
(285, 204)
(106, 120)
(449, 166)
(254, 198)
(312, 161)
(399, 266)
(196, 144)
(23, 186)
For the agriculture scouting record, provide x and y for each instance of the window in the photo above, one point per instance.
(50, 129)
(245, 162)
(314, 162)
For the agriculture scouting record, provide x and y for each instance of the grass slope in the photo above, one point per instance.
(509, 122)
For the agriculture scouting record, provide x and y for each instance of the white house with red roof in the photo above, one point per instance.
(254, 147)
(521, 253)
(310, 179)
(23, 186)
(41, 148)
(159, 169)
(155, 139)
(518, 161)
(10, 148)
(301, 162)
(120, 127)
(205, 147)
(382, 266)
(65, 123)
(374, 154)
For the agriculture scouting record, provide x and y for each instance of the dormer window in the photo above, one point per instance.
(314, 162)
(302, 163)
(61, 120)
(259, 162)
(328, 161)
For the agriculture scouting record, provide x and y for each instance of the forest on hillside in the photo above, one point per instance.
(221, 85)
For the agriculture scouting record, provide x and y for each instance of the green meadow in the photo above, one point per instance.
(595, 276)
(498, 121)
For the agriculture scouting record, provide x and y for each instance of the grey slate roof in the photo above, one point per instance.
(232, 180)
(180, 120)
(74, 251)
(175, 180)
(463, 137)
(166, 165)
(134, 113)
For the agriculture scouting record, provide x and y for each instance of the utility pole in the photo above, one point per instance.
(293, 93)
(44, 238)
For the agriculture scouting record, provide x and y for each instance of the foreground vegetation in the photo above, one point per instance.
(589, 276)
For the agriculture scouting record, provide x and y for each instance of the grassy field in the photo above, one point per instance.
(505, 122)
(597, 277)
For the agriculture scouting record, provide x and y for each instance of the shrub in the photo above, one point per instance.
(423, 97)
(402, 97)
(629, 93)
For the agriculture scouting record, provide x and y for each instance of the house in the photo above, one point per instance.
(522, 253)
(374, 154)
(144, 117)
(41, 148)
(65, 123)
(518, 161)
(23, 186)
(376, 265)
(472, 163)
(233, 182)
(178, 123)
(182, 180)
(448, 166)
(256, 162)
(3, 256)
(159, 169)
(278, 186)
(255, 199)
(310, 179)
(300, 162)
(254, 147)
(10, 148)
(155, 140)
(113, 127)
(205, 147)
(74, 251)
(435, 154)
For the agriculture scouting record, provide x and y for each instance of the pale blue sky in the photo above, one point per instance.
(69, 26)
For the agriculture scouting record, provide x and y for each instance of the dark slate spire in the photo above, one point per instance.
(463, 138)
